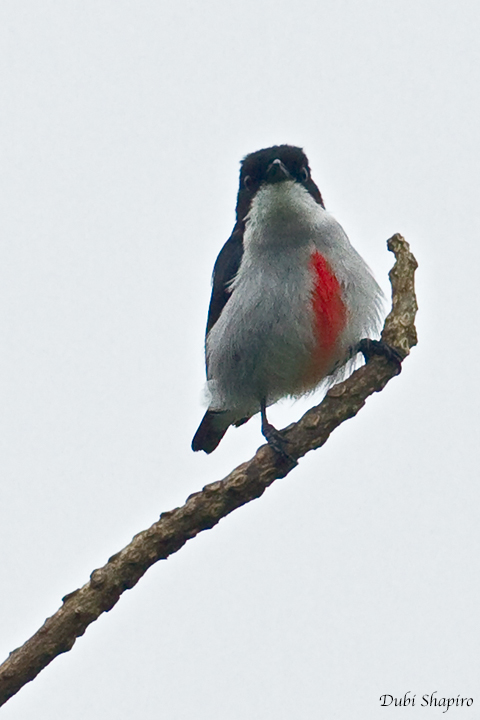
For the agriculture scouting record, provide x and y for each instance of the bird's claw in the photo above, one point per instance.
(369, 348)
(277, 442)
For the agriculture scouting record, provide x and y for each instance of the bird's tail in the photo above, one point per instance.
(211, 430)
(213, 427)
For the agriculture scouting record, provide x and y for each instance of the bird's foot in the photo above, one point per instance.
(277, 442)
(369, 348)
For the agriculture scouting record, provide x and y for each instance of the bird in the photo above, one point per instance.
(292, 301)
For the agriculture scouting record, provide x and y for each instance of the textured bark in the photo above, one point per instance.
(205, 509)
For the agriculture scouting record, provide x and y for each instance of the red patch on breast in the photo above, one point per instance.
(329, 312)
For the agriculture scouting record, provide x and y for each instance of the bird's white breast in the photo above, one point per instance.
(264, 338)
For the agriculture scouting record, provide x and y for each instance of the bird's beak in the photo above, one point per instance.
(277, 172)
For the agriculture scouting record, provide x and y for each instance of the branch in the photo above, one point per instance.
(205, 509)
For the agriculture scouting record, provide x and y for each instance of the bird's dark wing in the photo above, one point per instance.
(226, 267)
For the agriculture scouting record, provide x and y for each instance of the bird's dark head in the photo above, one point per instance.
(273, 165)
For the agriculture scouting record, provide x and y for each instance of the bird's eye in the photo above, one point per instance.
(247, 182)
(304, 174)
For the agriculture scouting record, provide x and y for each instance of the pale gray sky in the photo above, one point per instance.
(121, 128)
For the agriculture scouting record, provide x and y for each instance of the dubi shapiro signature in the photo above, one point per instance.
(427, 700)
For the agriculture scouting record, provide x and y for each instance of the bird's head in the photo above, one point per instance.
(272, 165)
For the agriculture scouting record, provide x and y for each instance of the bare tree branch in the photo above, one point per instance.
(205, 509)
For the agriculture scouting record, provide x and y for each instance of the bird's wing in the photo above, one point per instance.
(226, 267)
